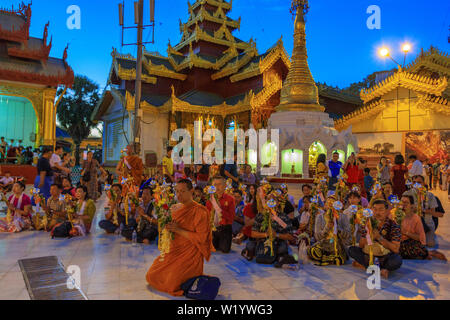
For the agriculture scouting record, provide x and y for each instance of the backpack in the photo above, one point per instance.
(61, 230)
(201, 288)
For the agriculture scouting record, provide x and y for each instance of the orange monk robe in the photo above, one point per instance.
(185, 259)
(136, 171)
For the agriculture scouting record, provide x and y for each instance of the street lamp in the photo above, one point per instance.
(385, 52)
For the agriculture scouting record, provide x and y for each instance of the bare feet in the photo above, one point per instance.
(358, 266)
(438, 255)
(384, 273)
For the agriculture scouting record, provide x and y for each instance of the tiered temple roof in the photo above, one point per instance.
(26, 59)
(208, 67)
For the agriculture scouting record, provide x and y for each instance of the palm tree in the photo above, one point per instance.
(75, 109)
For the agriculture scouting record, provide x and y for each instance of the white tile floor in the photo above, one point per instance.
(112, 269)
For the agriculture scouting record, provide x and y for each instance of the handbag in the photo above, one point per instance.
(377, 249)
(201, 288)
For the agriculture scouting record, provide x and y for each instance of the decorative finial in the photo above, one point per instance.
(65, 52)
(300, 5)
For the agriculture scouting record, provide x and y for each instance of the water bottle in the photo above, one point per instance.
(134, 238)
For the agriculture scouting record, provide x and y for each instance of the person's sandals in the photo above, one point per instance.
(246, 255)
(285, 259)
(438, 255)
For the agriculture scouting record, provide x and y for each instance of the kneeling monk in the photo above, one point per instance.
(191, 226)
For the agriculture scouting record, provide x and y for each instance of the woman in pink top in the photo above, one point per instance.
(413, 241)
(19, 205)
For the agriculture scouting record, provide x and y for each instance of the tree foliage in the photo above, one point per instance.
(75, 109)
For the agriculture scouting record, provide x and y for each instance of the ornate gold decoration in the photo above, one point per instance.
(433, 60)
(233, 67)
(257, 68)
(433, 103)
(407, 80)
(364, 113)
(161, 70)
(128, 74)
(300, 91)
(215, 3)
(218, 17)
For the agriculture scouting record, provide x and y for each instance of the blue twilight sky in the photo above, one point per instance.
(341, 48)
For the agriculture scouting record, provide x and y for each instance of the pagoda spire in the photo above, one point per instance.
(299, 91)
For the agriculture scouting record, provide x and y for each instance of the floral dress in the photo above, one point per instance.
(19, 222)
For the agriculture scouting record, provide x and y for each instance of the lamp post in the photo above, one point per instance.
(385, 52)
(139, 25)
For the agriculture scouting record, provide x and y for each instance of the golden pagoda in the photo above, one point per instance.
(299, 91)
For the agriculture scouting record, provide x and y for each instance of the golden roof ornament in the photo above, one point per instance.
(300, 92)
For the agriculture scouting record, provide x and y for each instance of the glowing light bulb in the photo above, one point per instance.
(384, 52)
(406, 47)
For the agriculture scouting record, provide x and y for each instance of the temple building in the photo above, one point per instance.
(209, 76)
(28, 80)
(408, 112)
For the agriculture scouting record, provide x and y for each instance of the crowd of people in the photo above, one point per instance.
(15, 153)
(348, 213)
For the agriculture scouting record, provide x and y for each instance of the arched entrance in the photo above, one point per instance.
(316, 148)
(292, 162)
(18, 120)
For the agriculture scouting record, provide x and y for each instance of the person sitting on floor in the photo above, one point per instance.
(6, 183)
(331, 239)
(114, 218)
(145, 223)
(429, 206)
(413, 241)
(67, 187)
(386, 237)
(55, 208)
(84, 212)
(19, 206)
(223, 236)
(282, 229)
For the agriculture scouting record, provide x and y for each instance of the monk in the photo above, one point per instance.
(131, 165)
(191, 244)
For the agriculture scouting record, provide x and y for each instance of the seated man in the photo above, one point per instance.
(114, 218)
(55, 209)
(224, 207)
(388, 235)
(428, 209)
(282, 233)
(190, 247)
(6, 183)
(326, 251)
(146, 223)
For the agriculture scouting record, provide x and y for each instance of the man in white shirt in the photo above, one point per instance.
(417, 167)
(56, 162)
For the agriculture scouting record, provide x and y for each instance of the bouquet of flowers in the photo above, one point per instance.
(375, 190)
(421, 197)
(229, 187)
(216, 211)
(368, 222)
(164, 200)
(9, 216)
(266, 225)
(355, 220)
(397, 214)
(131, 196)
(113, 197)
(341, 188)
(38, 199)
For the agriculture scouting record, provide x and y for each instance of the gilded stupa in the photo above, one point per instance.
(305, 130)
(299, 89)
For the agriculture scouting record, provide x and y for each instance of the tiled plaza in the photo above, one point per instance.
(113, 269)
